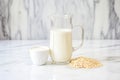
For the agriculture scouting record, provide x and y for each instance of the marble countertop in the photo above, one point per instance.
(15, 63)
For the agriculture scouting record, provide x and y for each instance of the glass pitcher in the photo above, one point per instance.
(61, 39)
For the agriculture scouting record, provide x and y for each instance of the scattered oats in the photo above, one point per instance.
(84, 62)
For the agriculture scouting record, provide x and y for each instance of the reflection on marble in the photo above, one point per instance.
(29, 19)
(15, 63)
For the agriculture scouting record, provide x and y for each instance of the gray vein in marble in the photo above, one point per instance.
(114, 21)
(3, 20)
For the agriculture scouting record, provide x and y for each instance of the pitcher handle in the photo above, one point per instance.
(82, 38)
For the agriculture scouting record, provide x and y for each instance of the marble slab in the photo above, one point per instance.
(29, 19)
(15, 63)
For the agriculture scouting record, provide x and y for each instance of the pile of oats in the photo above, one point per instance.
(84, 62)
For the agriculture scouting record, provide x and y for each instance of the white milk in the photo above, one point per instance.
(61, 44)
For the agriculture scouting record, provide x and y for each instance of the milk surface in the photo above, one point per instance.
(61, 44)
